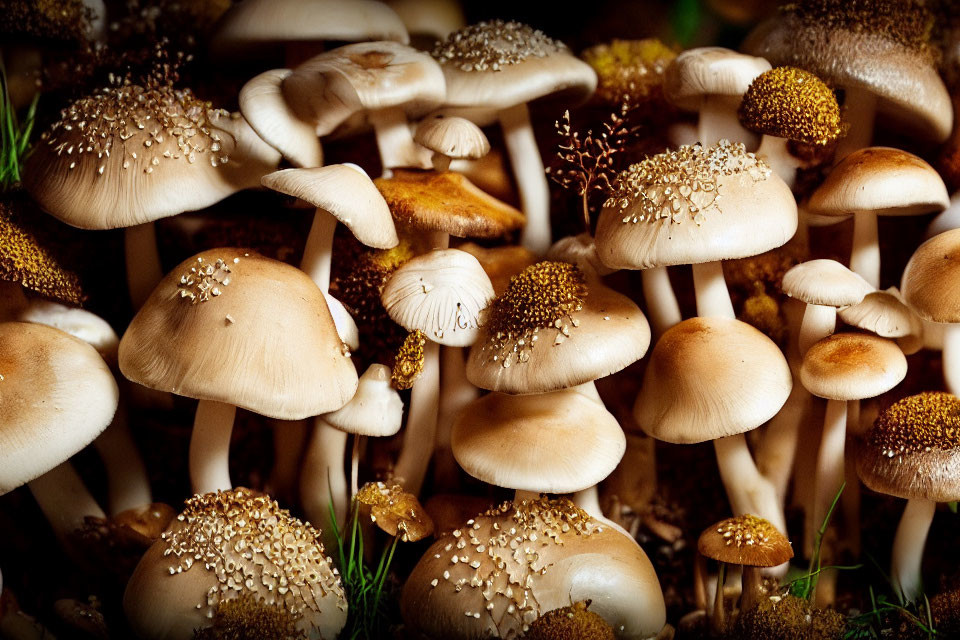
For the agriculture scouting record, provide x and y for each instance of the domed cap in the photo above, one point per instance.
(825, 282)
(692, 205)
(554, 328)
(440, 293)
(886, 181)
(233, 326)
(374, 410)
(791, 103)
(852, 366)
(710, 71)
(745, 540)
(85, 325)
(452, 136)
(709, 378)
(882, 313)
(930, 277)
(395, 511)
(227, 545)
(508, 566)
(56, 396)
(913, 449)
(559, 442)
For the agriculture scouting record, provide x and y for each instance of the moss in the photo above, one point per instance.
(631, 70)
(787, 618)
(249, 618)
(575, 622)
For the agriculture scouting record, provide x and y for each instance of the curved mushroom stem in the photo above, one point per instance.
(908, 548)
(718, 619)
(829, 476)
(819, 321)
(323, 479)
(210, 447)
(860, 110)
(456, 393)
(775, 151)
(12, 300)
(752, 588)
(718, 120)
(710, 288)
(318, 253)
(440, 162)
(421, 431)
(530, 175)
(144, 271)
(865, 256)
(128, 486)
(589, 501)
(951, 357)
(64, 500)
(289, 439)
(394, 140)
(700, 581)
(778, 447)
(662, 306)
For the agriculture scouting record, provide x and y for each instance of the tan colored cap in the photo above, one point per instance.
(526, 559)
(56, 396)
(554, 328)
(395, 511)
(559, 442)
(500, 263)
(446, 201)
(929, 279)
(232, 326)
(825, 282)
(265, 107)
(709, 378)
(886, 181)
(710, 71)
(791, 103)
(440, 293)
(85, 325)
(374, 410)
(452, 136)
(882, 313)
(692, 205)
(852, 366)
(745, 540)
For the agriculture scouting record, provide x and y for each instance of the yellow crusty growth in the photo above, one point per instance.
(791, 103)
(493, 45)
(408, 364)
(747, 531)
(247, 618)
(629, 68)
(50, 19)
(393, 508)
(575, 622)
(929, 420)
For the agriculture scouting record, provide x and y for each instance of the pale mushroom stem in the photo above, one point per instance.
(700, 582)
(64, 500)
(143, 261)
(850, 499)
(589, 501)
(718, 619)
(752, 587)
(775, 151)
(128, 486)
(908, 547)
(355, 465)
(718, 121)
(457, 392)
(318, 253)
(394, 140)
(323, 478)
(819, 321)
(210, 447)
(710, 288)
(421, 431)
(829, 476)
(865, 256)
(951, 357)
(289, 440)
(12, 300)
(778, 448)
(530, 175)
(663, 310)
(859, 110)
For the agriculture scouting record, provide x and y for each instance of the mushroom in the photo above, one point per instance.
(395, 512)
(450, 138)
(581, 250)
(887, 315)
(428, 21)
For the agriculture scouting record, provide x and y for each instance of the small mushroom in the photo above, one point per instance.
(395, 511)
(451, 138)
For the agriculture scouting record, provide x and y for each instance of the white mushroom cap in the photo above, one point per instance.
(825, 282)
(452, 136)
(710, 71)
(85, 325)
(265, 107)
(375, 409)
(883, 313)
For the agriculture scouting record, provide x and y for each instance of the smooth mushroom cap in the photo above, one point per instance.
(693, 205)
(347, 193)
(913, 451)
(440, 293)
(559, 442)
(882, 313)
(85, 325)
(791, 103)
(452, 136)
(56, 396)
(265, 107)
(709, 378)
(852, 366)
(745, 540)
(709, 71)
(886, 181)
(928, 281)
(825, 282)
(374, 410)
(232, 326)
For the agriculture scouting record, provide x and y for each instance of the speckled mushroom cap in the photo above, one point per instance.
(878, 47)
(884, 180)
(555, 328)
(791, 103)
(913, 449)
(710, 71)
(929, 279)
(232, 326)
(692, 205)
(440, 293)
(227, 545)
(131, 154)
(882, 313)
(500, 263)
(852, 366)
(446, 201)
(825, 282)
(559, 442)
(745, 540)
(374, 410)
(347, 193)
(709, 378)
(452, 136)
(56, 396)
(471, 583)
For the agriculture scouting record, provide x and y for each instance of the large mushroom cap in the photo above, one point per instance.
(56, 396)
(233, 326)
(558, 442)
(928, 282)
(745, 540)
(709, 378)
(852, 366)
(825, 282)
(913, 449)
(710, 71)
(791, 103)
(692, 205)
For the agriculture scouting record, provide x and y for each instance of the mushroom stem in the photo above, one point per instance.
(289, 439)
(951, 357)
(128, 486)
(64, 500)
(144, 271)
(323, 479)
(829, 475)
(700, 581)
(12, 300)
(318, 253)
(865, 255)
(751, 589)
(718, 120)
(860, 110)
(421, 432)
(457, 392)
(394, 140)
(210, 447)
(717, 620)
(355, 465)
(589, 501)
(778, 447)
(530, 175)
(440, 162)
(775, 151)
(908, 548)
(710, 288)
(519, 495)
(663, 310)
(819, 321)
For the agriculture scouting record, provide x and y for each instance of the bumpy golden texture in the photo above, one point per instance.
(631, 69)
(746, 530)
(490, 46)
(929, 420)
(746, 540)
(575, 622)
(49, 19)
(395, 511)
(25, 261)
(246, 618)
(408, 365)
(791, 103)
(788, 618)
